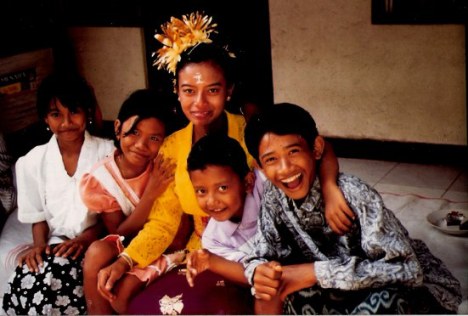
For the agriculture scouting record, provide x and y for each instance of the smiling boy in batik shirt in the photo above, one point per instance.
(300, 266)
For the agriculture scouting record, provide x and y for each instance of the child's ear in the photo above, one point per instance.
(117, 127)
(319, 146)
(230, 90)
(249, 182)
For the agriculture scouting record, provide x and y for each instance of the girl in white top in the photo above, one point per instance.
(48, 279)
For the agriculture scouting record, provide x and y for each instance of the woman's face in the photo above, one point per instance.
(202, 91)
(67, 125)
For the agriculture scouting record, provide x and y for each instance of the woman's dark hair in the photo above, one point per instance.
(218, 150)
(72, 90)
(280, 119)
(147, 103)
(209, 52)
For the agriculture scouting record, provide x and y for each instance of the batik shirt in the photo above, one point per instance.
(376, 252)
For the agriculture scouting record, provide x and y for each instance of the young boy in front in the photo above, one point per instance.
(228, 191)
(299, 266)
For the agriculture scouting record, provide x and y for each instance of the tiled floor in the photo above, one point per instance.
(431, 181)
(413, 192)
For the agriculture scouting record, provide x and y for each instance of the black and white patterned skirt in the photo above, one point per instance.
(57, 289)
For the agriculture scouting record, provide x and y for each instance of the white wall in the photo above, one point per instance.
(384, 82)
(362, 81)
(112, 59)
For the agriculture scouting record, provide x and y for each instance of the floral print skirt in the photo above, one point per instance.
(57, 289)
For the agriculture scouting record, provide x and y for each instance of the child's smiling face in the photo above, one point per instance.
(140, 144)
(220, 192)
(68, 125)
(289, 163)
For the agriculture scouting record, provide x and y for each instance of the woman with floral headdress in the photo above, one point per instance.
(204, 82)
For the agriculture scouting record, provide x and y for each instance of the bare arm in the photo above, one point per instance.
(33, 258)
(109, 276)
(297, 277)
(202, 260)
(161, 175)
(329, 167)
(75, 247)
(337, 212)
(40, 233)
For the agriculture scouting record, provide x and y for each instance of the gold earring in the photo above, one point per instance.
(319, 154)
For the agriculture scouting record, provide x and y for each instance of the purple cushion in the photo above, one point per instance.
(211, 295)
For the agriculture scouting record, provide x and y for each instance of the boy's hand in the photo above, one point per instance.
(296, 277)
(197, 262)
(338, 214)
(108, 276)
(33, 258)
(267, 280)
(161, 175)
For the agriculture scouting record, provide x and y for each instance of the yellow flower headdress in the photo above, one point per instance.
(179, 35)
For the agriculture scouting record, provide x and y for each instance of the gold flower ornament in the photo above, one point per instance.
(179, 35)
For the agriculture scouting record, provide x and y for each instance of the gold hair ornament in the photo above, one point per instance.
(179, 35)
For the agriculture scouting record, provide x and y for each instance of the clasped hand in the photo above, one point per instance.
(273, 280)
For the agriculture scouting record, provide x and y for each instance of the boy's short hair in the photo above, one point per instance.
(218, 150)
(280, 119)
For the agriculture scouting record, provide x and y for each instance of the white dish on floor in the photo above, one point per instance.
(437, 220)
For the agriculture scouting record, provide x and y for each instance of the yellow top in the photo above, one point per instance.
(165, 215)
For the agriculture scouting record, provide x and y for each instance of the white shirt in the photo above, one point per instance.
(47, 193)
(234, 241)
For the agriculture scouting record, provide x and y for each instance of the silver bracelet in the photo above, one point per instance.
(127, 258)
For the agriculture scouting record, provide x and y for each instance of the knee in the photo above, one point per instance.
(120, 306)
(98, 255)
(125, 291)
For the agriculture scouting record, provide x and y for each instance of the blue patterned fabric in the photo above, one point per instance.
(376, 254)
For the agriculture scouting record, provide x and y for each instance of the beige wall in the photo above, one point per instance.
(112, 59)
(363, 81)
(384, 82)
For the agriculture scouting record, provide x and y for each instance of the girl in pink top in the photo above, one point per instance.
(122, 188)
